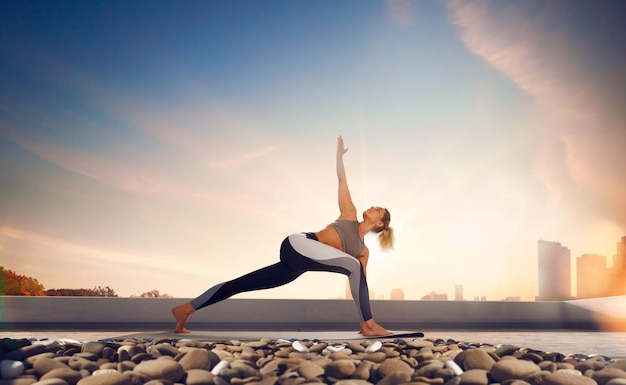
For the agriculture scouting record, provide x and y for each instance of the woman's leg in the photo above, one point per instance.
(303, 251)
(311, 255)
(268, 277)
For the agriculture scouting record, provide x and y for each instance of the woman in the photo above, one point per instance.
(338, 248)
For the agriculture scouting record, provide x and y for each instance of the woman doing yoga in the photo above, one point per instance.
(338, 248)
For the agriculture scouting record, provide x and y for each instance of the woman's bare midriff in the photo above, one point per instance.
(330, 237)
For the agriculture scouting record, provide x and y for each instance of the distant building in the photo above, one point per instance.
(515, 298)
(435, 297)
(397, 295)
(380, 297)
(593, 278)
(618, 271)
(458, 292)
(555, 283)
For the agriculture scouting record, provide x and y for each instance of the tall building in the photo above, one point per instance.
(555, 282)
(458, 292)
(397, 294)
(592, 276)
(618, 271)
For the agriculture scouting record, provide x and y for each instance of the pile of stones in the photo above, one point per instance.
(292, 362)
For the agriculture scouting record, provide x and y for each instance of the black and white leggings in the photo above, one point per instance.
(298, 253)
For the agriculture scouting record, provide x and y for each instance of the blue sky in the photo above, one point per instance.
(173, 145)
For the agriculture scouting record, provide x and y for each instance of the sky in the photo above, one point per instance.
(174, 145)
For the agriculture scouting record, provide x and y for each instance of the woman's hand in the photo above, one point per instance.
(340, 146)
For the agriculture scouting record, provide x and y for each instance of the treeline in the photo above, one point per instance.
(15, 284)
(152, 294)
(12, 283)
(97, 291)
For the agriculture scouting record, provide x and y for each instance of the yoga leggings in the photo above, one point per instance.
(298, 253)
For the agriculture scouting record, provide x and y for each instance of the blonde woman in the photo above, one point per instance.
(338, 248)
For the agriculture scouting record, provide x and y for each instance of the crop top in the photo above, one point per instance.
(349, 234)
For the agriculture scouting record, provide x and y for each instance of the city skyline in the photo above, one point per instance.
(174, 145)
(593, 275)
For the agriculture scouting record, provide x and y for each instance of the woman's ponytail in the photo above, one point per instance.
(385, 232)
(385, 238)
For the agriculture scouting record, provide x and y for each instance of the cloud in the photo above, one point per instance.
(50, 257)
(60, 247)
(105, 171)
(403, 12)
(211, 134)
(126, 176)
(226, 164)
(537, 45)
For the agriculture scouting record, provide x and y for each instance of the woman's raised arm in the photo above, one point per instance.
(346, 207)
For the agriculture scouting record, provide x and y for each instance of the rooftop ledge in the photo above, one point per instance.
(106, 313)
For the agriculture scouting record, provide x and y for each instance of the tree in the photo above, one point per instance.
(154, 293)
(97, 291)
(15, 284)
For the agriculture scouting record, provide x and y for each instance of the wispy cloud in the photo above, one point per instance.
(403, 12)
(531, 43)
(216, 137)
(122, 175)
(128, 265)
(228, 163)
(105, 171)
(60, 247)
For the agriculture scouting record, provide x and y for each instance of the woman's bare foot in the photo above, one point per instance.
(370, 328)
(181, 314)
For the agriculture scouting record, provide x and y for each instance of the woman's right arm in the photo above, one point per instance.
(346, 206)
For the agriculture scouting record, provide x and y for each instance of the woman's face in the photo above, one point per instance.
(375, 214)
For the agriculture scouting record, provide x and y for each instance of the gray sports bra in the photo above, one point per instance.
(349, 234)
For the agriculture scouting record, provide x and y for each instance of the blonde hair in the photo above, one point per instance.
(385, 232)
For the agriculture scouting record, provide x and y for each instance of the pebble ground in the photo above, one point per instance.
(110, 360)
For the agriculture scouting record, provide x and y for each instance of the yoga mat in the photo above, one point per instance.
(323, 335)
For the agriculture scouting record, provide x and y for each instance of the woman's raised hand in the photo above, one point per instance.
(340, 146)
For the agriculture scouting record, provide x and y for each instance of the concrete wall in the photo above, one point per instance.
(84, 313)
(608, 313)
